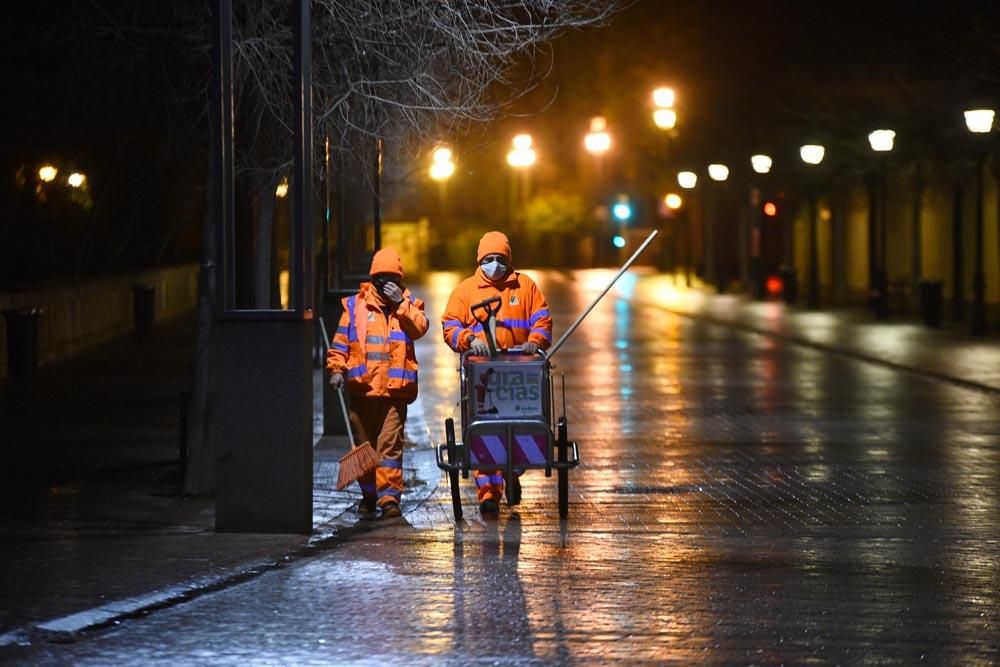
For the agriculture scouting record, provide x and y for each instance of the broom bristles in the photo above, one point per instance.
(355, 464)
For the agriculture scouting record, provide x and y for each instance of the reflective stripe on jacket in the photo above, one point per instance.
(524, 315)
(375, 353)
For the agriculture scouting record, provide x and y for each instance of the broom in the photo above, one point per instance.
(360, 460)
(357, 462)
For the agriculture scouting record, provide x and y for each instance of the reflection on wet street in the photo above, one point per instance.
(741, 500)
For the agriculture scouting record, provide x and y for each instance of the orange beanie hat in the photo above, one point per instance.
(386, 260)
(493, 242)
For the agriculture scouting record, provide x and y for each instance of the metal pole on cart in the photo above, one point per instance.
(625, 267)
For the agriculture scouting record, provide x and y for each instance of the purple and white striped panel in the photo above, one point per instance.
(488, 450)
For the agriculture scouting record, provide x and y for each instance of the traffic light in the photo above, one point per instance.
(622, 210)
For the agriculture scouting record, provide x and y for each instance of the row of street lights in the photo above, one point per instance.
(598, 141)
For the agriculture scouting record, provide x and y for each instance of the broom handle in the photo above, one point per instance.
(569, 332)
(347, 419)
(340, 391)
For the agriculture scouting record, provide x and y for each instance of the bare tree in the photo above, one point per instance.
(394, 69)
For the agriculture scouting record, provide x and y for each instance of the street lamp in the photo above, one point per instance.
(47, 173)
(442, 168)
(281, 191)
(442, 164)
(882, 142)
(76, 179)
(597, 141)
(663, 97)
(761, 163)
(979, 122)
(521, 157)
(687, 179)
(718, 172)
(812, 154)
(673, 201)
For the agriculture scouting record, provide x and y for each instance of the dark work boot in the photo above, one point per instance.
(366, 509)
(391, 511)
(489, 509)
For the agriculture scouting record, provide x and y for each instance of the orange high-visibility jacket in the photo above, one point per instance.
(524, 315)
(375, 353)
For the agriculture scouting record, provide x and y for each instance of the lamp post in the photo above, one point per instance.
(761, 165)
(719, 173)
(881, 142)
(664, 115)
(521, 157)
(441, 169)
(812, 154)
(687, 180)
(598, 142)
(980, 123)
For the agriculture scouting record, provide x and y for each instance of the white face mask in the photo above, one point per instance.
(494, 270)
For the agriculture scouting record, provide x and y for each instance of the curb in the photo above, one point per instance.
(823, 347)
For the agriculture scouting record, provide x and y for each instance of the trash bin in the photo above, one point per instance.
(144, 307)
(931, 302)
(22, 343)
(789, 285)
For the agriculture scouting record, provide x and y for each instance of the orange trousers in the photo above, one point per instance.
(380, 421)
(489, 485)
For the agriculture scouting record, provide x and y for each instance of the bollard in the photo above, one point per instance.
(931, 302)
(144, 308)
(22, 343)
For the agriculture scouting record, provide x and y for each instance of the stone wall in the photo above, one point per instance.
(78, 315)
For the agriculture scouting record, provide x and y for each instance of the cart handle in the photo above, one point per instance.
(485, 305)
(491, 307)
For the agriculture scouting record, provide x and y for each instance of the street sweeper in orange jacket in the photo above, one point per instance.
(372, 352)
(523, 320)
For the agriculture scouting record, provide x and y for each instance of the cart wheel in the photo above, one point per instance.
(563, 475)
(513, 490)
(456, 496)
(562, 445)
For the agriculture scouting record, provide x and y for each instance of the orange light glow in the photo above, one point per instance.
(770, 210)
(774, 286)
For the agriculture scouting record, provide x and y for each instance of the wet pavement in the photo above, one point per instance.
(744, 498)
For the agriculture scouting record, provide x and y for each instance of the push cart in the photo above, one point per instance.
(507, 419)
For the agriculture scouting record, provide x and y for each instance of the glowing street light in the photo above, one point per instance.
(523, 155)
(663, 97)
(718, 172)
(282, 190)
(76, 179)
(673, 201)
(881, 140)
(761, 163)
(442, 165)
(979, 121)
(665, 119)
(812, 153)
(687, 179)
(597, 141)
(47, 173)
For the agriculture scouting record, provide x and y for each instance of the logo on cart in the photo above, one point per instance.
(507, 391)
